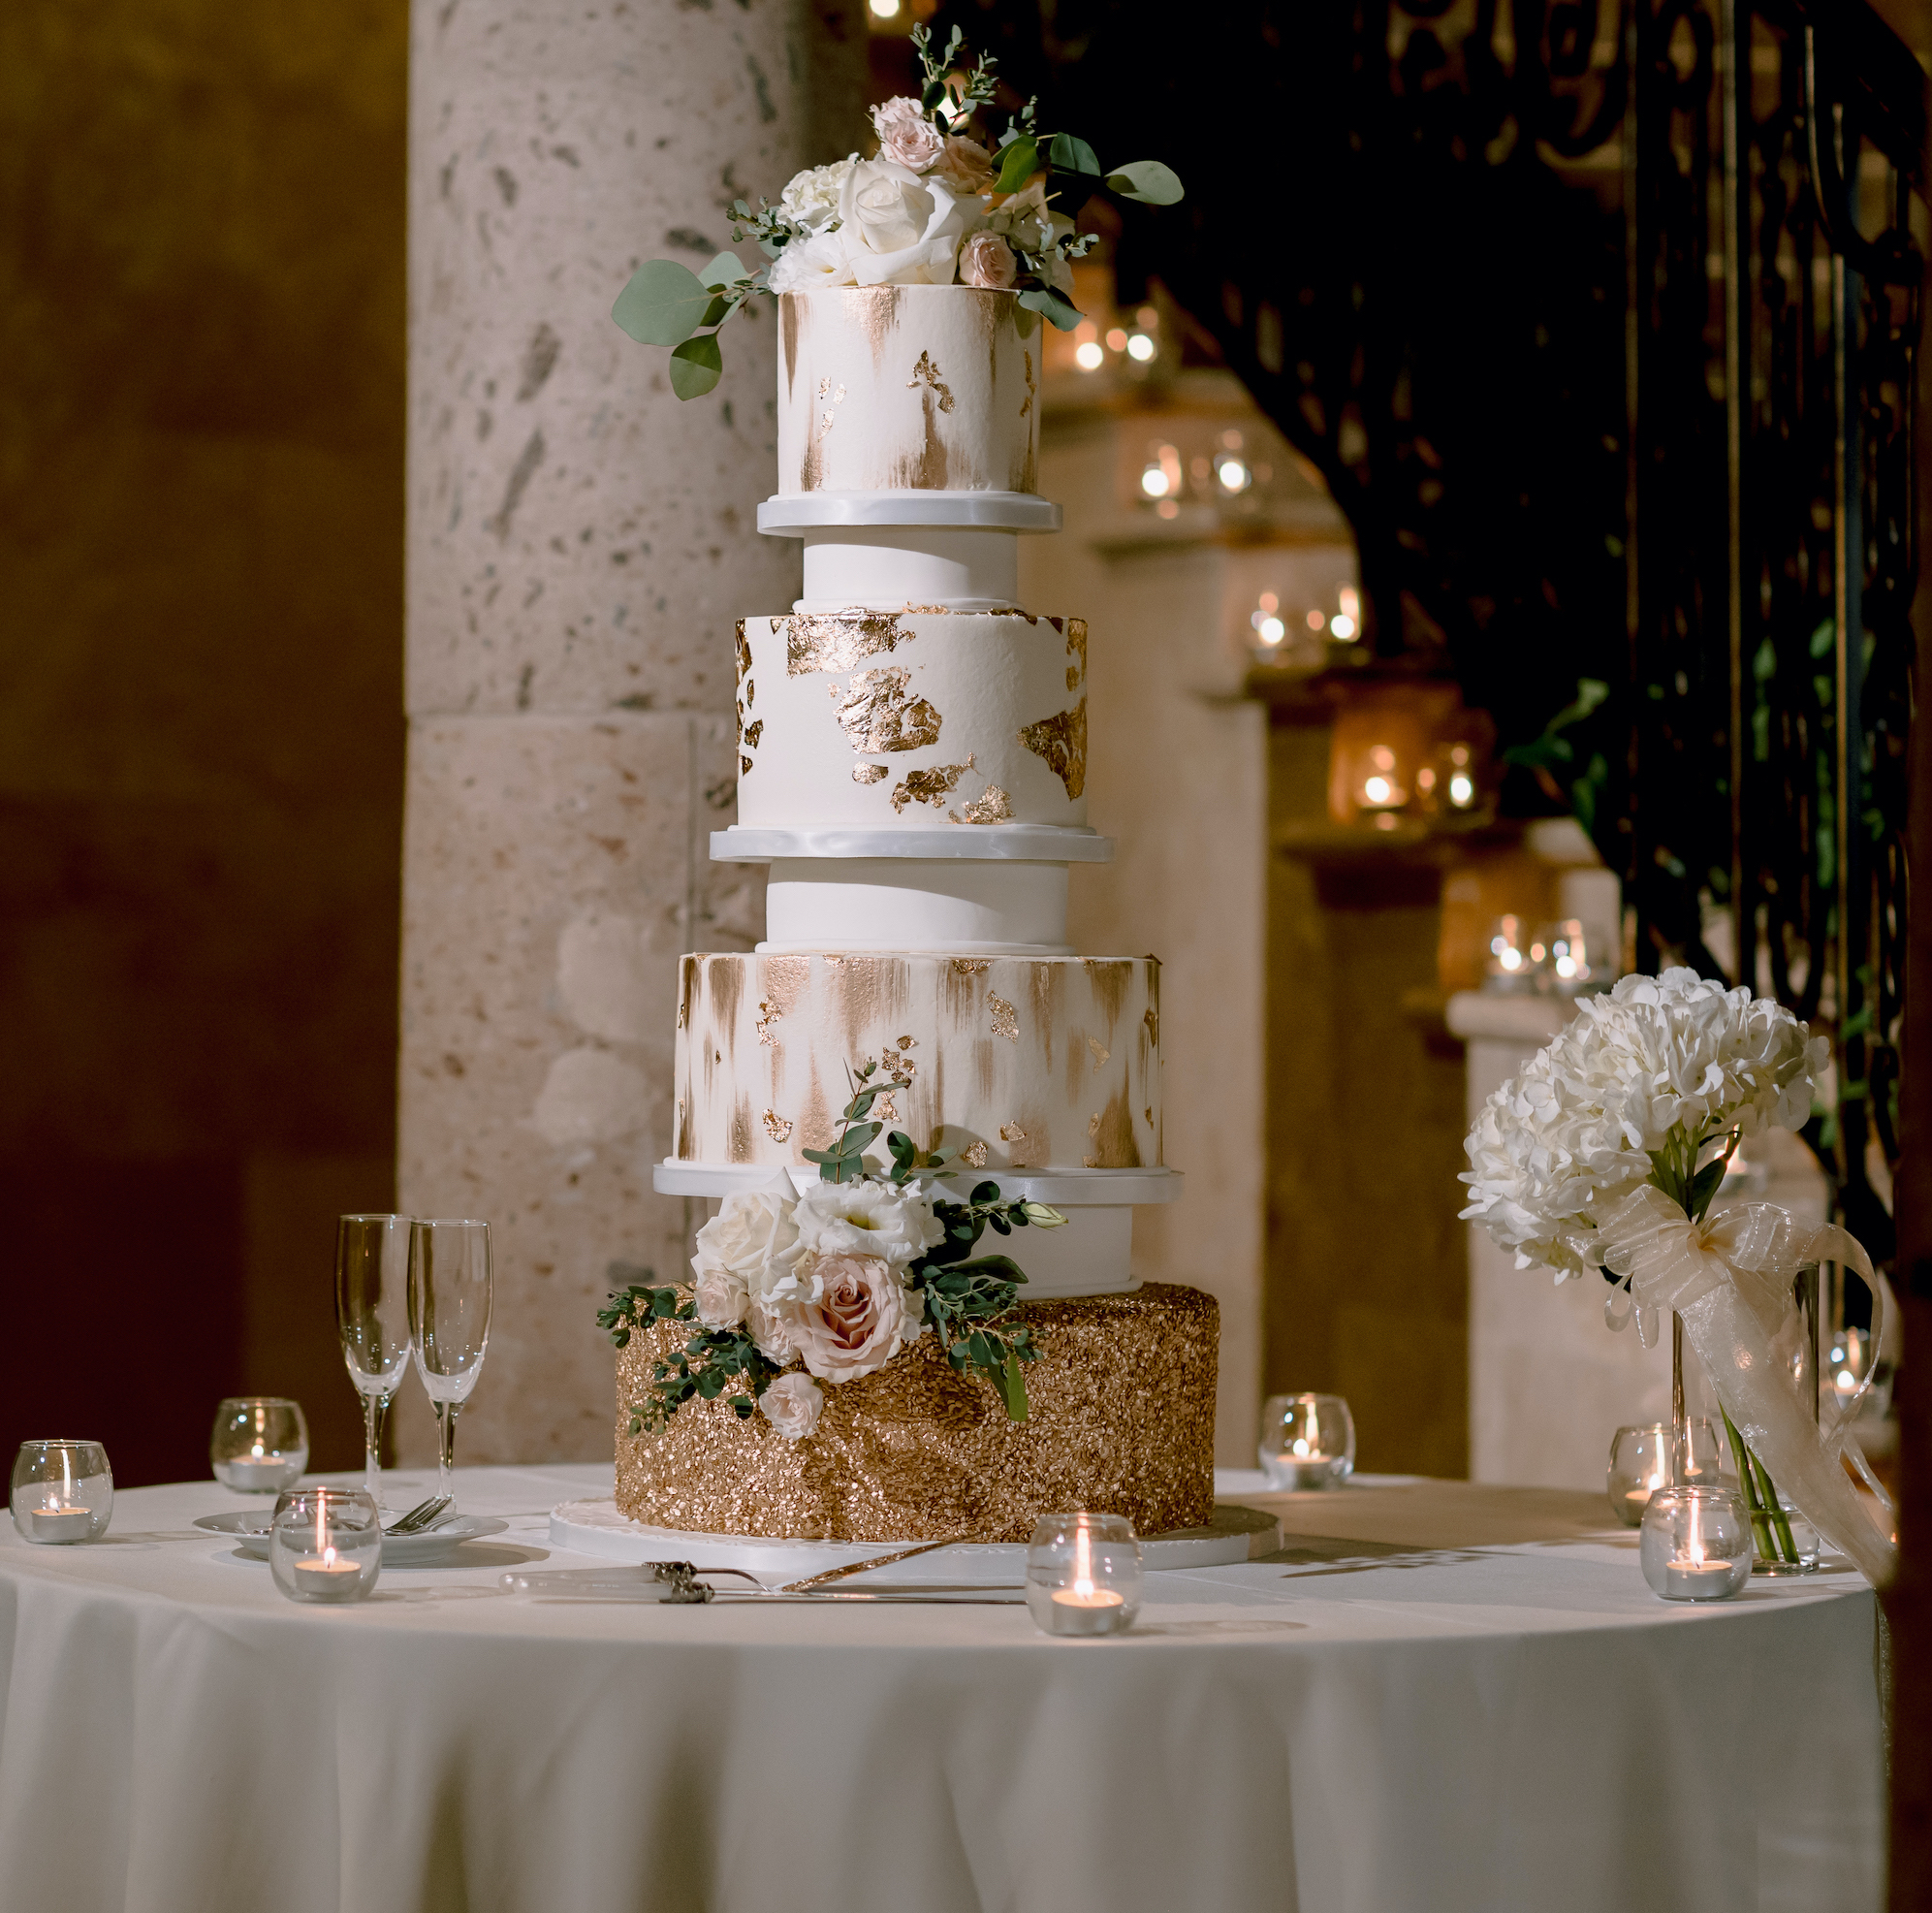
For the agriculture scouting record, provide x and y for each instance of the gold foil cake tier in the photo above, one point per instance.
(1121, 1419)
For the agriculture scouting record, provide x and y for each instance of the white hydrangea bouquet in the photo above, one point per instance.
(1607, 1151)
(935, 206)
(790, 1293)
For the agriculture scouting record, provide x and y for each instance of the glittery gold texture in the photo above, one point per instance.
(776, 1126)
(929, 786)
(838, 641)
(1004, 1022)
(1062, 740)
(989, 808)
(974, 1156)
(767, 1017)
(970, 965)
(878, 712)
(1123, 1413)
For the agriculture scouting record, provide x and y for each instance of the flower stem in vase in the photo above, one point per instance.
(1769, 1529)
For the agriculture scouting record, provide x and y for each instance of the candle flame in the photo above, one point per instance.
(1082, 1562)
(1694, 1539)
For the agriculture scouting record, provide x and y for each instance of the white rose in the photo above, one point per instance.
(987, 260)
(809, 264)
(865, 1218)
(753, 1237)
(863, 1317)
(907, 135)
(770, 1326)
(812, 199)
(899, 229)
(720, 1296)
(792, 1405)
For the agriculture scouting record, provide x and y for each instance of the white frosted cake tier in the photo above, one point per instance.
(1007, 843)
(912, 718)
(1013, 1063)
(907, 389)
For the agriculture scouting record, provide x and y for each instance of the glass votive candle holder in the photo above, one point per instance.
(1306, 1442)
(63, 1490)
(1641, 1462)
(1083, 1574)
(1695, 1543)
(260, 1445)
(325, 1544)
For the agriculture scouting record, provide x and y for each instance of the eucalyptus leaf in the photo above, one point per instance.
(726, 270)
(1145, 180)
(663, 304)
(1045, 301)
(1013, 1388)
(696, 366)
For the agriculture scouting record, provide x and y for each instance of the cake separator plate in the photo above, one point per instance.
(597, 1527)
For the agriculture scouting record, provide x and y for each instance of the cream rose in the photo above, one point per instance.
(907, 135)
(720, 1296)
(792, 1405)
(987, 260)
(768, 1325)
(965, 165)
(865, 1218)
(811, 198)
(899, 229)
(863, 1317)
(752, 1238)
(807, 265)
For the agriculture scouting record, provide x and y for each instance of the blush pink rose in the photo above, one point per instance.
(987, 260)
(792, 1404)
(965, 165)
(907, 135)
(863, 1317)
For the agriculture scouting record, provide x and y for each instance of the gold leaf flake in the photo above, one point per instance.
(767, 1016)
(974, 1155)
(929, 786)
(1090, 1161)
(924, 372)
(744, 764)
(878, 712)
(825, 421)
(1062, 740)
(1011, 1132)
(868, 773)
(908, 1042)
(743, 650)
(753, 731)
(1076, 645)
(738, 731)
(970, 965)
(825, 387)
(1099, 1052)
(838, 396)
(990, 808)
(1004, 1022)
(750, 693)
(1027, 405)
(1093, 1128)
(777, 1127)
(1152, 1021)
(838, 640)
(1073, 677)
(883, 1109)
(683, 1008)
(1149, 1115)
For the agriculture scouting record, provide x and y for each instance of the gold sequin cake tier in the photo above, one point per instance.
(1121, 1419)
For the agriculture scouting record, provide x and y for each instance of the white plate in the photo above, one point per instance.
(596, 1527)
(249, 1532)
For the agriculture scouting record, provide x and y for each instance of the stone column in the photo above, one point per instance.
(579, 546)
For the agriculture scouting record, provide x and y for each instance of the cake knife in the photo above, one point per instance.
(860, 1567)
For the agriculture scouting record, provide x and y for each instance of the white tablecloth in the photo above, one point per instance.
(1369, 1723)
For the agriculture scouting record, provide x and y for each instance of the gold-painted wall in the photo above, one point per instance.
(201, 741)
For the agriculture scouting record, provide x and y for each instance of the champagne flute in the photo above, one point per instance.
(372, 1321)
(448, 1322)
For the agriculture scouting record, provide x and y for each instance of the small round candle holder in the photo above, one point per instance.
(1083, 1574)
(1306, 1442)
(1695, 1543)
(260, 1443)
(1641, 1463)
(325, 1544)
(63, 1491)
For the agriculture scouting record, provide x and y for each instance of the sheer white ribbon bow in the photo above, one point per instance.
(1729, 1279)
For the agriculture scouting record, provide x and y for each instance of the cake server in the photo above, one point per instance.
(679, 1583)
(860, 1567)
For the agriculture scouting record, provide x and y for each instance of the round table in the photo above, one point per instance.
(1437, 1696)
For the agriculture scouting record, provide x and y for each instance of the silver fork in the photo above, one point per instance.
(420, 1517)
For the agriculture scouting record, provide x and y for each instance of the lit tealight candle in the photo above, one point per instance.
(1083, 1608)
(1698, 1581)
(257, 1473)
(328, 1573)
(62, 1521)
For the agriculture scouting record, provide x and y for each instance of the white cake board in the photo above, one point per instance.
(596, 1527)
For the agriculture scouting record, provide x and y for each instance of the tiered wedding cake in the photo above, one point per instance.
(912, 767)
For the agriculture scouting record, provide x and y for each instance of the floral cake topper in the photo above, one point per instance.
(790, 1293)
(937, 206)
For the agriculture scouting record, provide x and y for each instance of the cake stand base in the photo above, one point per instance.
(598, 1527)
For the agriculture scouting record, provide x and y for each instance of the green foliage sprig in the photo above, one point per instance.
(715, 1363)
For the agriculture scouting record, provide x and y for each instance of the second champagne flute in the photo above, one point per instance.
(448, 1322)
(372, 1321)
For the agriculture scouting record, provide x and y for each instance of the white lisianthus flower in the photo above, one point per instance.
(811, 264)
(747, 1248)
(863, 1316)
(792, 1404)
(1660, 1062)
(907, 135)
(864, 1218)
(811, 198)
(899, 229)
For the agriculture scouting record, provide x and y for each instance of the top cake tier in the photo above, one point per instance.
(907, 389)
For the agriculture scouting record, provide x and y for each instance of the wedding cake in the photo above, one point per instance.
(914, 1053)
